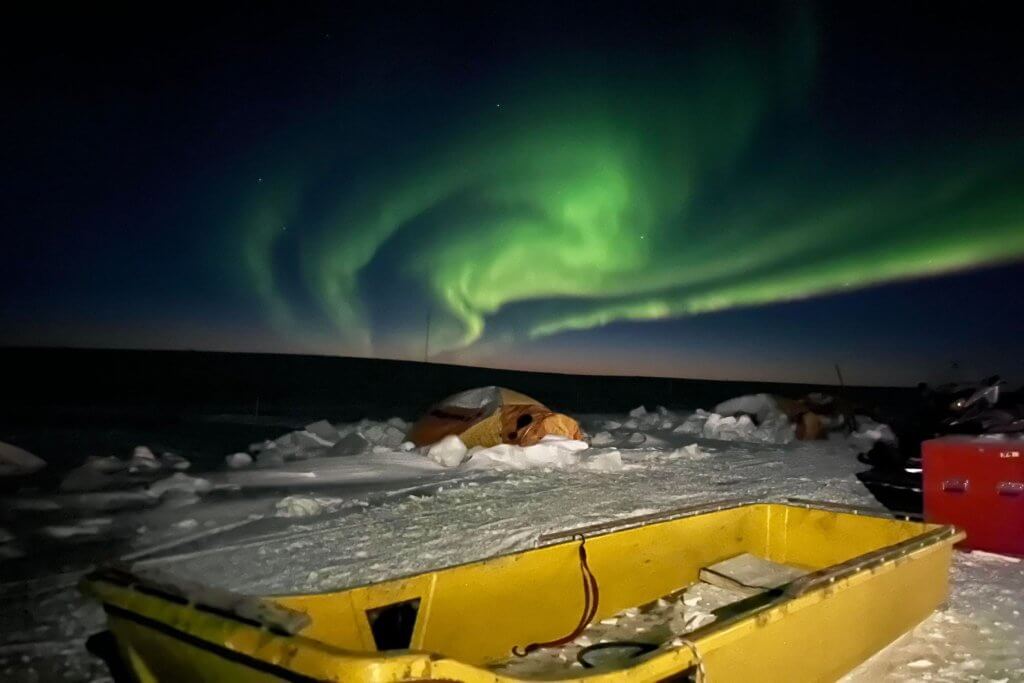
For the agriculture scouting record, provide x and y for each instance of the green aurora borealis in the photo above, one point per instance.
(571, 200)
(717, 190)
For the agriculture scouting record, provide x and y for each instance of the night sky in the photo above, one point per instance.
(670, 190)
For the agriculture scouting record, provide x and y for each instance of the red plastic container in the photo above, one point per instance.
(978, 485)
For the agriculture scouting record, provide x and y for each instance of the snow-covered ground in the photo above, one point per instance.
(339, 505)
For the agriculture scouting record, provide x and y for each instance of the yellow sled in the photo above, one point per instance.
(864, 580)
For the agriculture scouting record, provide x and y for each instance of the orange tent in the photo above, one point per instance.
(488, 416)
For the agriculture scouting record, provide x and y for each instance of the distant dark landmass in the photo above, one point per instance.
(66, 404)
(96, 381)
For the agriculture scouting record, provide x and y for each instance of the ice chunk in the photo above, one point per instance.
(298, 445)
(143, 460)
(776, 429)
(173, 461)
(398, 423)
(16, 462)
(449, 451)
(761, 406)
(406, 446)
(639, 411)
(352, 444)
(310, 452)
(731, 421)
(305, 439)
(180, 483)
(690, 452)
(382, 434)
(306, 506)
(186, 524)
(238, 460)
(602, 439)
(694, 424)
(729, 428)
(612, 425)
(325, 431)
(870, 432)
(684, 622)
(285, 445)
(636, 438)
(650, 421)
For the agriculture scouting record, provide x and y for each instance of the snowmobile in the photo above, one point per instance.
(975, 408)
(986, 410)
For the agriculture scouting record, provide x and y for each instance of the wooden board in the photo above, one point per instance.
(749, 574)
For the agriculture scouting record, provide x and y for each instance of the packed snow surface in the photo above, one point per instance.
(335, 505)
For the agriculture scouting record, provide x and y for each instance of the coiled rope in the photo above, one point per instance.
(590, 601)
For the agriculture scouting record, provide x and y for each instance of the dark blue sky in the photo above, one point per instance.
(751, 193)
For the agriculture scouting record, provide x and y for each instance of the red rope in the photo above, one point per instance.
(590, 602)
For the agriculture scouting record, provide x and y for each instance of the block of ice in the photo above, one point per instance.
(324, 430)
(173, 461)
(449, 451)
(238, 460)
(143, 460)
(352, 444)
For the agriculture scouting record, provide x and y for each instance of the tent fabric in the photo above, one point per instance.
(809, 424)
(488, 416)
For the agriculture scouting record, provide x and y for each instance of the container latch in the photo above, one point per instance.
(955, 485)
(1010, 488)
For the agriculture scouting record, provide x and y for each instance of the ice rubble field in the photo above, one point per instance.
(332, 506)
